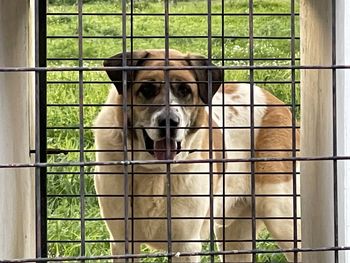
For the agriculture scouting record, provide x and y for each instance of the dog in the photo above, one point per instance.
(180, 133)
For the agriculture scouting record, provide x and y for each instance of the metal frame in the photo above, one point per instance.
(40, 128)
(125, 127)
(334, 124)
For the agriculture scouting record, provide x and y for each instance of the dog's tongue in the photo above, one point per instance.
(160, 149)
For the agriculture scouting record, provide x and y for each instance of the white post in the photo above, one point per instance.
(316, 129)
(317, 177)
(343, 90)
(17, 206)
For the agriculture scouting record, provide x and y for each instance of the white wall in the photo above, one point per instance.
(17, 229)
(343, 90)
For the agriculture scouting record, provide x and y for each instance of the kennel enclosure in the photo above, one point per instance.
(325, 59)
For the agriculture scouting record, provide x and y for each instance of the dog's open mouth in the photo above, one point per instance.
(159, 148)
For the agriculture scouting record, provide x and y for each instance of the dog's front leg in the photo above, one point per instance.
(183, 232)
(110, 188)
(186, 247)
(119, 249)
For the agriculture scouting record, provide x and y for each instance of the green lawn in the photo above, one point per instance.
(65, 180)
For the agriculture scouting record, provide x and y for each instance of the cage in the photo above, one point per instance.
(54, 84)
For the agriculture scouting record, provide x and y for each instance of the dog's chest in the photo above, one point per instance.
(151, 189)
(151, 198)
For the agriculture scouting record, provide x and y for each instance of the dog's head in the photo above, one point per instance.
(149, 94)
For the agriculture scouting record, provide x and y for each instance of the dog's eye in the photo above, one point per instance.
(184, 90)
(148, 90)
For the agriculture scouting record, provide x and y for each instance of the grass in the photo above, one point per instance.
(65, 180)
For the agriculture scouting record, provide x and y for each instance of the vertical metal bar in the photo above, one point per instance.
(81, 130)
(125, 131)
(210, 119)
(132, 137)
(167, 87)
(40, 129)
(335, 141)
(294, 145)
(252, 132)
(223, 125)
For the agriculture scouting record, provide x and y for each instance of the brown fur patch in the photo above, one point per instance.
(275, 139)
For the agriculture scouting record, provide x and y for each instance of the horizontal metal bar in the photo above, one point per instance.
(175, 59)
(172, 218)
(52, 151)
(172, 195)
(162, 14)
(175, 105)
(171, 37)
(177, 254)
(173, 240)
(152, 162)
(59, 82)
(131, 68)
(66, 151)
(179, 128)
(174, 173)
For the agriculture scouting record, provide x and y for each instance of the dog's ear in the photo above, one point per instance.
(202, 76)
(136, 58)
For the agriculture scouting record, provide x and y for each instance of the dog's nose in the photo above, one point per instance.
(173, 124)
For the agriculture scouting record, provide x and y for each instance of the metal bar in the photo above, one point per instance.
(173, 195)
(252, 132)
(335, 130)
(184, 174)
(160, 82)
(150, 59)
(40, 131)
(223, 130)
(125, 132)
(171, 37)
(191, 128)
(167, 103)
(132, 137)
(140, 173)
(165, 218)
(185, 254)
(174, 241)
(271, 159)
(66, 151)
(162, 14)
(182, 105)
(210, 120)
(81, 130)
(294, 144)
(133, 68)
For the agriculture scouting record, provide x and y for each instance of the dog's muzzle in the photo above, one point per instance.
(159, 148)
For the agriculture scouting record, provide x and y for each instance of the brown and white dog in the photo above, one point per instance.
(189, 139)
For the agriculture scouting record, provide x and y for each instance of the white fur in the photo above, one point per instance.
(176, 110)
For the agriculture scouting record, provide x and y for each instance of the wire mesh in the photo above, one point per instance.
(252, 42)
(130, 16)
